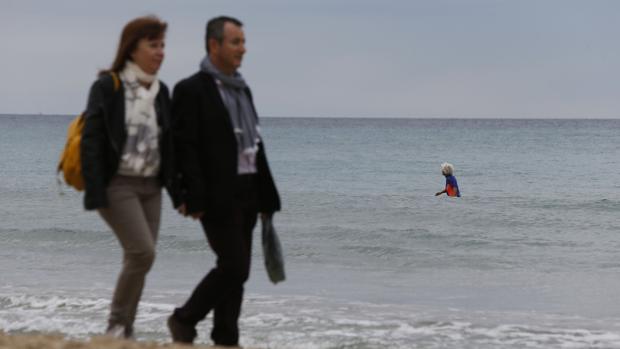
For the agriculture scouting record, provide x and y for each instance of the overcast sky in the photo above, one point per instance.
(341, 58)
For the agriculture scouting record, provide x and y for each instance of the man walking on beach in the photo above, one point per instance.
(226, 178)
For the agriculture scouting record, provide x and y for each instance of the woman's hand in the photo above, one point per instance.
(183, 210)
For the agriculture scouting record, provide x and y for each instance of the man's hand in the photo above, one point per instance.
(265, 215)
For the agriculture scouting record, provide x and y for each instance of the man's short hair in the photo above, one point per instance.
(215, 28)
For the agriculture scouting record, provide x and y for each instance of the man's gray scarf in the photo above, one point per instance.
(237, 101)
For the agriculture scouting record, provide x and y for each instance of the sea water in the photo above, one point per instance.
(528, 257)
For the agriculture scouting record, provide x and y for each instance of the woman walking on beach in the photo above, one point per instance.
(126, 155)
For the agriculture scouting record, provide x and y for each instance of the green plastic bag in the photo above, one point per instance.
(272, 250)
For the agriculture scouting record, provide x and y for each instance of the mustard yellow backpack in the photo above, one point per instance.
(70, 164)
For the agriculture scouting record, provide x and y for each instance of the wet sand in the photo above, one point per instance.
(35, 341)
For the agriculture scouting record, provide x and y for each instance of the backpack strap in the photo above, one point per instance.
(111, 85)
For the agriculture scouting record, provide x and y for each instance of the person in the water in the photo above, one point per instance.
(452, 188)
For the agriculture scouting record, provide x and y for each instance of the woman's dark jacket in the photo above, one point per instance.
(206, 150)
(104, 136)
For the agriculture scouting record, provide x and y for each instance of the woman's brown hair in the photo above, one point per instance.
(149, 27)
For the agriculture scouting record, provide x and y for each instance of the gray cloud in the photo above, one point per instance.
(404, 58)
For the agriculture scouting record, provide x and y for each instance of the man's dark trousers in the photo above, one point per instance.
(230, 237)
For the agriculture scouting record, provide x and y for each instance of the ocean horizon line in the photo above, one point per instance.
(375, 117)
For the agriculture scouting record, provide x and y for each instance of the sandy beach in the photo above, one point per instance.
(33, 341)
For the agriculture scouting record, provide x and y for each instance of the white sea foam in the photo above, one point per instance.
(314, 323)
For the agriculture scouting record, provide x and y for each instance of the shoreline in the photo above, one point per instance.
(58, 341)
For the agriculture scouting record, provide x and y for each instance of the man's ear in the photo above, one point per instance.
(212, 44)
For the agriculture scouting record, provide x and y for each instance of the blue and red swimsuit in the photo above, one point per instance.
(452, 188)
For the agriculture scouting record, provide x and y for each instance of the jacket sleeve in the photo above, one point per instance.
(269, 198)
(92, 150)
(169, 170)
(186, 128)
